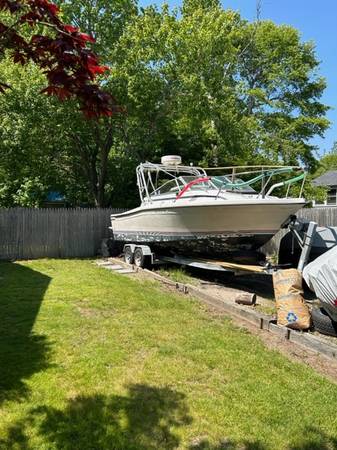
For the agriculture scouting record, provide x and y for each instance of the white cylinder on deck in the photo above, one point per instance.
(171, 160)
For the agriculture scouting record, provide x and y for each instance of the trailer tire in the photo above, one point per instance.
(323, 323)
(128, 255)
(139, 258)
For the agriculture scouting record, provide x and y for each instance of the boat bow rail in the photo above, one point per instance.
(232, 181)
(154, 179)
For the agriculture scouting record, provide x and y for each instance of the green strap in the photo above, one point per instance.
(268, 173)
(293, 180)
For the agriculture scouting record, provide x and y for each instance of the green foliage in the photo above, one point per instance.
(310, 191)
(216, 88)
(282, 91)
(102, 19)
(328, 161)
(198, 81)
(28, 145)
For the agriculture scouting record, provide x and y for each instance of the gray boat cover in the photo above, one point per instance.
(321, 277)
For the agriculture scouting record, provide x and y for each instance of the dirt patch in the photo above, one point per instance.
(229, 293)
(87, 312)
(91, 313)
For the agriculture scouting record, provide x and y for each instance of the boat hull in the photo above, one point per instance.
(204, 229)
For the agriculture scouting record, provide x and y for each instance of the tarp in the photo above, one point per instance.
(321, 277)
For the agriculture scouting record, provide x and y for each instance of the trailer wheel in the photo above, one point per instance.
(128, 255)
(323, 323)
(140, 259)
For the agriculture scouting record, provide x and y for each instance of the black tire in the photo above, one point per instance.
(140, 259)
(323, 323)
(128, 255)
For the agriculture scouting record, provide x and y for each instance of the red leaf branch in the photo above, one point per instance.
(70, 66)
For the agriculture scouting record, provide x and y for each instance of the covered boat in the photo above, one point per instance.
(185, 209)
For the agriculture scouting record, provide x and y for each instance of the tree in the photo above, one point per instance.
(60, 51)
(31, 140)
(91, 143)
(46, 145)
(245, 92)
(281, 90)
(328, 161)
(201, 82)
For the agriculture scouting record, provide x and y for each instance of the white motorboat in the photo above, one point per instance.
(186, 210)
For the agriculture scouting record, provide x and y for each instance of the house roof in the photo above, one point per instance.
(327, 179)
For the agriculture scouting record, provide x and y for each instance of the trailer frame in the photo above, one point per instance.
(141, 255)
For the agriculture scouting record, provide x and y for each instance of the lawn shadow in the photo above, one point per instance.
(312, 438)
(140, 420)
(22, 352)
(227, 444)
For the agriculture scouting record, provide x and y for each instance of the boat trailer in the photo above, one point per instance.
(303, 234)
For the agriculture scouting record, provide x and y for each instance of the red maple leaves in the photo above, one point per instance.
(70, 66)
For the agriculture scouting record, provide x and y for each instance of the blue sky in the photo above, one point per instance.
(316, 21)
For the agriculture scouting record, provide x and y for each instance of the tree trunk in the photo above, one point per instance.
(102, 165)
(95, 161)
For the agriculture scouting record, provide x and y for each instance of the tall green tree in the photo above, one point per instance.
(328, 161)
(29, 147)
(210, 81)
(281, 90)
(199, 81)
(92, 143)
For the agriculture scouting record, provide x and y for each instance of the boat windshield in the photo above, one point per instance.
(177, 184)
(222, 180)
(202, 185)
(170, 186)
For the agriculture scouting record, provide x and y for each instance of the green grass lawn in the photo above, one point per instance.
(94, 360)
(177, 274)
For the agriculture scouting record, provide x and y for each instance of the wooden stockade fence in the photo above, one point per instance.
(325, 216)
(28, 233)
